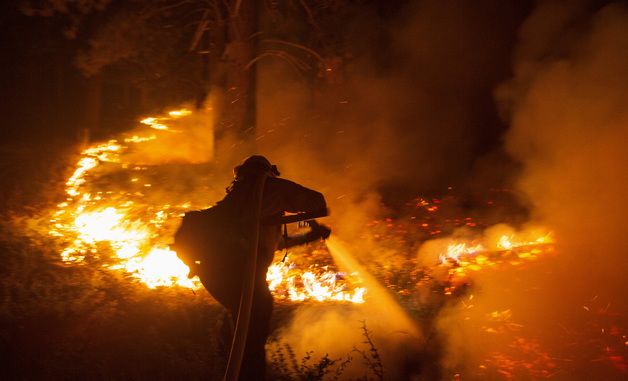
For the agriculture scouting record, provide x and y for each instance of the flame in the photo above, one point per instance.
(89, 219)
(154, 123)
(315, 285)
(139, 139)
(464, 257)
(179, 113)
(162, 267)
(94, 220)
(158, 123)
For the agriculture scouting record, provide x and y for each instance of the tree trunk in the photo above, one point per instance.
(93, 107)
(240, 80)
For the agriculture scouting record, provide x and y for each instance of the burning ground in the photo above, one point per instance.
(477, 281)
(436, 295)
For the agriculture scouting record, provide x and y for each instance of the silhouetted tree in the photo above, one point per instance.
(181, 49)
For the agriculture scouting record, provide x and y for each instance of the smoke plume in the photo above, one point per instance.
(404, 112)
(569, 128)
(566, 105)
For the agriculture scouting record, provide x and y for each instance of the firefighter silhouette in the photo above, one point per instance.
(216, 243)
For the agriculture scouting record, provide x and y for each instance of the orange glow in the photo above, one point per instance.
(320, 286)
(93, 220)
(137, 231)
(464, 257)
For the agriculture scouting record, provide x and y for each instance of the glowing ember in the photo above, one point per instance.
(462, 257)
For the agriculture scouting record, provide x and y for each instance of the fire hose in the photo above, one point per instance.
(248, 288)
(241, 331)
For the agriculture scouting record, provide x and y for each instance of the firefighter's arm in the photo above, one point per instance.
(295, 198)
(317, 231)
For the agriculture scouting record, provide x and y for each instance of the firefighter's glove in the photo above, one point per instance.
(325, 231)
(318, 230)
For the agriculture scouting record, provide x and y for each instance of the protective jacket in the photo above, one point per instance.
(224, 247)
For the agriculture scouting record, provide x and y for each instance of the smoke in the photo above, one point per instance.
(404, 110)
(336, 330)
(566, 105)
(569, 128)
(189, 140)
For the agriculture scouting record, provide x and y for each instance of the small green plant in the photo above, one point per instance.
(370, 356)
(286, 367)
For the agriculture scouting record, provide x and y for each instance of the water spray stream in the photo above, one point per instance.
(379, 296)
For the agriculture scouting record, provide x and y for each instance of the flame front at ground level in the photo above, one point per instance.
(108, 215)
(161, 267)
(286, 282)
(463, 256)
(112, 207)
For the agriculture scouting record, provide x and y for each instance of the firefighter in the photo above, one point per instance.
(279, 196)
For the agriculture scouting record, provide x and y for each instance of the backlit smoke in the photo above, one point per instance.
(336, 330)
(569, 128)
(390, 129)
(398, 116)
(383, 128)
(566, 105)
(188, 141)
(412, 124)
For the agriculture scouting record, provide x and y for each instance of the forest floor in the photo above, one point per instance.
(83, 321)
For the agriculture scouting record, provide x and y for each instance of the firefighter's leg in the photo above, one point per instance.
(229, 296)
(254, 361)
(225, 332)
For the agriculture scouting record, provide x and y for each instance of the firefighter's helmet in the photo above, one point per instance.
(256, 165)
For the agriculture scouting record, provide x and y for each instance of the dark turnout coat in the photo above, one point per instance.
(220, 239)
(228, 237)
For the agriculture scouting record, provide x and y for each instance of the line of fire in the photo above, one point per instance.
(440, 185)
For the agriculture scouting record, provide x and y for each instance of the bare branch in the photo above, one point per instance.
(286, 57)
(172, 6)
(298, 46)
(302, 65)
(310, 15)
(200, 30)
